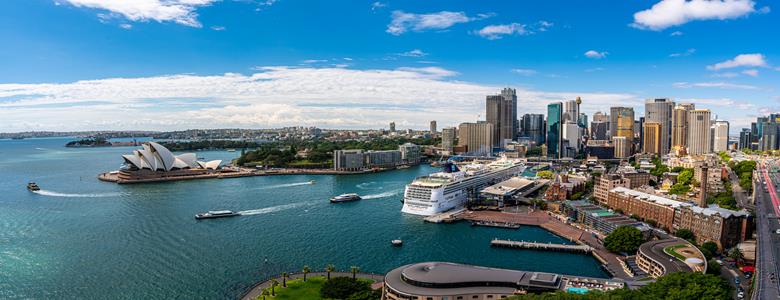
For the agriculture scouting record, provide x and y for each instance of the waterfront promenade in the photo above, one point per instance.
(257, 290)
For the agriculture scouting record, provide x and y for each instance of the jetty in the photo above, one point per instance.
(446, 217)
(496, 224)
(541, 246)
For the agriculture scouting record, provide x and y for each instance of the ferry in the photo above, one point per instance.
(213, 214)
(345, 198)
(450, 188)
(32, 186)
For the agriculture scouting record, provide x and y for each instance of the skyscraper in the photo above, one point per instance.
(745, 138)
(501, 111)
(600, 117)
(533, 128)
(433, 129)
(599, 130)
(680, 125)
(571, 136)
(622, 124)
(448, 138)
(652, 138)
(554, 138)
(622, 146)
(720, 136)
(392, 126)
(571, 111)
(582, 121)
(768, 139)
(699, 131)
(659, 111)
(477, 137)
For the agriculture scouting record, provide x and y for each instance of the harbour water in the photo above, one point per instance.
(82, 238)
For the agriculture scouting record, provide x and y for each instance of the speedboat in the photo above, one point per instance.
(311, 181)
(32, 186)
(213, 214)
(345, 198)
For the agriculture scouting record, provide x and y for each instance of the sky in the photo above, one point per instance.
(178, 64)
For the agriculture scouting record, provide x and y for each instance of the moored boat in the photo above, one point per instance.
(345, 198)
(213, 214)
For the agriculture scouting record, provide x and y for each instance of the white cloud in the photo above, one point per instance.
(524, 72)
(722, 85)
(272, 97)
(676, 33)
(413, 53)
(126, 26)
(668, 13)
(596, 54)
(378, 5)
(723, 102)
(688, 52)
(742, 60)
(725, 75)
(177, 11)
(218, 28)
(494, 32)
(597, 69)
(314, 61)
(403, 21)
(432, 72)
(751, 72)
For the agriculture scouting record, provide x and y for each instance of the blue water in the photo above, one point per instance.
(82, 238)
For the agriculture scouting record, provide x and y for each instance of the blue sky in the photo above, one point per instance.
(175, 64)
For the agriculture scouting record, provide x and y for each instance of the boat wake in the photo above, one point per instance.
(70, 195)
(368, 186)
(271, 209)
(380, 195)
(286, 185)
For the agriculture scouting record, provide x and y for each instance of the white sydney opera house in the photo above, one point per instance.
(155, 157)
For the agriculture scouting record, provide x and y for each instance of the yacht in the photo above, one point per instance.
(450, 188)
(345, 198)
(213, 214)
(32, 186)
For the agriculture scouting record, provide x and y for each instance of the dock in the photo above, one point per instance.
(541, 246)
(446, 217)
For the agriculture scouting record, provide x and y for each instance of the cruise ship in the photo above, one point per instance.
(450, 188)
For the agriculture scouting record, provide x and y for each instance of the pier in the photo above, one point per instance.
(541, 246)
(446, 217)
(496, 224)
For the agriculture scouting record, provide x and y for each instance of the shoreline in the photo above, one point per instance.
(256, 290)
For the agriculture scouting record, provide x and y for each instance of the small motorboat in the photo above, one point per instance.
(213, 214)
(312, 181)
(32, 186)
(345, 198)
(397, 243)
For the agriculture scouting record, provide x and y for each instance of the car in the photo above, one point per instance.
(720, 262)
(736, 280)
(747, 275)
(777, 231)
(741, 295)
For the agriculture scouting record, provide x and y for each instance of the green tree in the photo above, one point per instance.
(354, 270)
(736, 254)
(274, 284)
(342, 288)
(680, 285)
(330, 268)
(284, 279)
(685, 234)
(685, 177)
(367, 295)
(710, 246)
(713, 267)
(265, 293)
(306, 271)
(624, 239)
(546, 174)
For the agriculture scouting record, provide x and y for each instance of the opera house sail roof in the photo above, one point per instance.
(155, 157)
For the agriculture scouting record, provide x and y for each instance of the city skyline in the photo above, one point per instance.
(183, 64)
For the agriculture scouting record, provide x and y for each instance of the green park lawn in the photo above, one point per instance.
(298, 290)
(671, 250)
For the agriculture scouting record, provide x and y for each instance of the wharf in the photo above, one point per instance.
(126, 177)
(541, 246)
(446, 217)
(495, 224)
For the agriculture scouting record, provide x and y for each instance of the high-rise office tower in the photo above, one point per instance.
(571, 136)
(533, 127)
(599, 130)
(582, 121)
(392, 126)
(501, 111)
(639, 133)
(433, 129)
(448, 138)
(745, 138)
(699, 131)
(680, 125)
(477, 137)
(600, 117)
(768, 139)
(621, 122)
(622, 146)
(652, 138)
(554, 138)
(571, 110)
(659, 111)
(720, 136)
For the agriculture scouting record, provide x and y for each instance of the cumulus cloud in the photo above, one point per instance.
(378, 5)
(751, 72)
(413, 53)
(177, 11)
(271, 97)
(494, 32)
(402, 21)
(596, 54)
(688, 52)
(676, 33)
(721, 85)
(742, 60)
(669, 13)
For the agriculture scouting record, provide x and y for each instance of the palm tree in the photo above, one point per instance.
(330, 268)
(306, 270)
(265, 293)
(354, 270)
(274, 283)
(284, 279)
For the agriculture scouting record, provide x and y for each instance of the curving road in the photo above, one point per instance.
(767, 252)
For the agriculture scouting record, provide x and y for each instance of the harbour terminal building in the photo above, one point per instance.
(451, 281)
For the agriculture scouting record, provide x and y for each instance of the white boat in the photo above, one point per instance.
(442, 191)
(345, 198)
(213, 214)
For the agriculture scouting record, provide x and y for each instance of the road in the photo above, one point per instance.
(767, 252)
